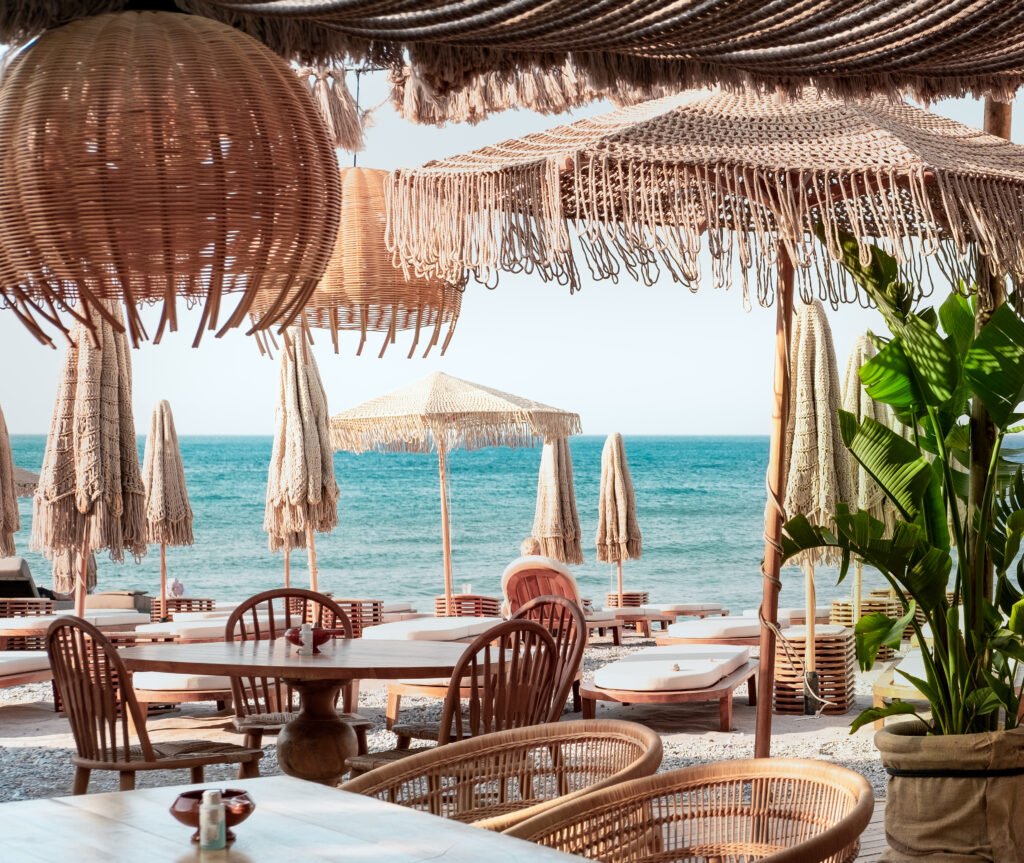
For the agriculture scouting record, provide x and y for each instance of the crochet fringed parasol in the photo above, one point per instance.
(168, 512)
(470, 58)
(10, 520)
(443, 413)
(90, 494)
(817, 463)
(740, 177)
(618, 532)
(302, 492)
(67, 568)
(556, 523)
(865, 493)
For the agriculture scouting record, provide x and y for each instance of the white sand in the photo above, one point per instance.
(36, 744)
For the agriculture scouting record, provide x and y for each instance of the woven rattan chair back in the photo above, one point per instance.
(529, 582)
(468, 605)
(507, 675)
(266, 616)
(497, 780)
(778, 809)
(567, 624)
(101, 711)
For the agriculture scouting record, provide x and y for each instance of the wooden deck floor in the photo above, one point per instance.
(872, 840)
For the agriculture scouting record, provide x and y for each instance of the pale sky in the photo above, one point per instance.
(626, 357)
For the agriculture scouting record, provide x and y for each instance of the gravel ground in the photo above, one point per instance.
(36, 746)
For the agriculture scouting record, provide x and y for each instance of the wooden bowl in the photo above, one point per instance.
(320, 636)
(238, 806)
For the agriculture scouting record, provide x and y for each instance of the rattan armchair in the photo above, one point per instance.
(102, 709)
(783, 810)
(497, 780)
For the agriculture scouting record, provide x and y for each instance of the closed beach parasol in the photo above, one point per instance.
(443, 413)
(168, 513)
(25, 482)
(556, 524)
(90, 494)
(302, 493)
(67, 569)
(817, 464)
(10, 522)
(865, 492)
(618, 533)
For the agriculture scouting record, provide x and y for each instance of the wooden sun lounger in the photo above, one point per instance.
(721, 692)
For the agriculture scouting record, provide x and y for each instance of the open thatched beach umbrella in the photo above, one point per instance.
(168, 512)
(302, 493)
(865, 492)
(467, 59)
(818, 467)
(745, 178)
(618, 532)
(556, 523)
(10, 521)
(441, 413)
(90, 494)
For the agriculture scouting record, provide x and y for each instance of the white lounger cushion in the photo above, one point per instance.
(164, 682)
(716, 627)
(23, 661)
(394, 616)
(661, 669)
(98, 617)
(191, 616)
(432, 629)
(821, 629)
(607, 614)
(682, 607)
(192, 630)
(395, 607)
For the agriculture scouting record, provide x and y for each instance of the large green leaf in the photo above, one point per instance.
(995, 366)
(957, 319)
(935, 362)
(875, 631)
(873, 714)
(888, 378)
(894, 463)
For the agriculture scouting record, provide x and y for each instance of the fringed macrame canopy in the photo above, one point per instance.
(363, 290)
(151, 156)
(445, 412)
(468, 59)
(648, 188)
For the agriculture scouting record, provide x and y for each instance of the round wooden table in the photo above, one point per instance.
(316, 743)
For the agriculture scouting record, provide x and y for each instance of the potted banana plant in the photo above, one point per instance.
(956, 789)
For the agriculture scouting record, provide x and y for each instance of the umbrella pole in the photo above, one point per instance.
(311, 549)
(81, 585)
(858, 580)
(811, 685)
(163, 581)
(620, 581)
(446, 528)
(287, 567)
(773, 516)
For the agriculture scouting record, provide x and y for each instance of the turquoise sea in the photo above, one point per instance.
(700, 502)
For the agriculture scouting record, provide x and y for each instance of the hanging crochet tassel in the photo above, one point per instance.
(337, 107)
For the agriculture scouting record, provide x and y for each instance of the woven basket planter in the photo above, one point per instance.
(836, 666)
(153, 155)
(953, 798)
(363, 290)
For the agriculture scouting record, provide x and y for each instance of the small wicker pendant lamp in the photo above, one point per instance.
(150, 155)
(362, 289)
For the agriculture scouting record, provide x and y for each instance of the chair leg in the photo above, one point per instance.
(363, 745)
(196, 773)
(249, 769)
(577, 705)
(81, 785)
(254, 739)
(126, 780)
(394, 705)
(404, 742)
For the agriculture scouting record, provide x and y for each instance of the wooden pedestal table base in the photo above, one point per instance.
(316, 744)
(721, 692)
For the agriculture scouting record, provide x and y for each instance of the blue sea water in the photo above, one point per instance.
(700, 502)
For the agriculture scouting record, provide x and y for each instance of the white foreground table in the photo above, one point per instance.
(293, 820)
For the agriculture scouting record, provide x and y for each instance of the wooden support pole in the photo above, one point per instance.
(311, 550)
(446, 529)
(163, 581)
(983, 432)
(82, 582)
(773, 516)
(287, 567)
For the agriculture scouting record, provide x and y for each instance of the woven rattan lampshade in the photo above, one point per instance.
(363, 290)
(149, 155)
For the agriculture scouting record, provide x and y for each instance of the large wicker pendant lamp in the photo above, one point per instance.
(363, 290)
(150, 155)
